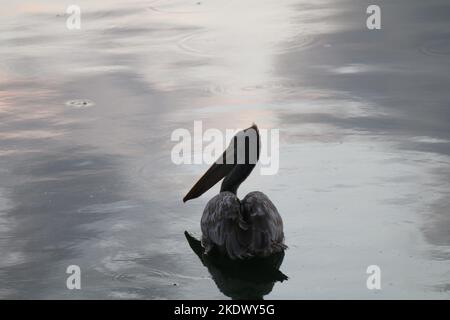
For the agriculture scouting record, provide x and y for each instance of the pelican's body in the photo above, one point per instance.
(251, 227)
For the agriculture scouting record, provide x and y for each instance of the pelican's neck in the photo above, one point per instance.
(234, 179)
(241, 171)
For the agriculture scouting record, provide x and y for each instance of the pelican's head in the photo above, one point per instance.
(236, 163)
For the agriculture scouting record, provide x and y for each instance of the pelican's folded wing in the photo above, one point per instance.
(265, 222)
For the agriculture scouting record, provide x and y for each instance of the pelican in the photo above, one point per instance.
(240, 229)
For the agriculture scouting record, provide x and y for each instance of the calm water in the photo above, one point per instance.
(364, 143)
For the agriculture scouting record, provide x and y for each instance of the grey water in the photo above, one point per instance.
(86, 117)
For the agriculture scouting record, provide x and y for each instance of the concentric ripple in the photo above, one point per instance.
(80, 103)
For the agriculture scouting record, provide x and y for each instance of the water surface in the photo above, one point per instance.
(86, 119)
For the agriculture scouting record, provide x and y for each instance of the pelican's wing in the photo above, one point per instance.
(265, 223)
(223, 227)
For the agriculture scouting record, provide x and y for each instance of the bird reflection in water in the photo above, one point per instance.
(240, 279)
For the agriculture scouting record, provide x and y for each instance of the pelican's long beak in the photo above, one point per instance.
(217, 171)
(214, 174)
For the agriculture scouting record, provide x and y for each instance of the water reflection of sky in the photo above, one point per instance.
(364, 143)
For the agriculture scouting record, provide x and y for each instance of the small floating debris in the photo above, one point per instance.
(80, 103)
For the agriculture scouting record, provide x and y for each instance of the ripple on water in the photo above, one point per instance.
(195, 43)
(123, 277)
(205, 43)
(155, 274)
(279, 87)
(436, 47)
(166, 7)
(216, 89)
(300, 42)
(80, 103)
(113, 207)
